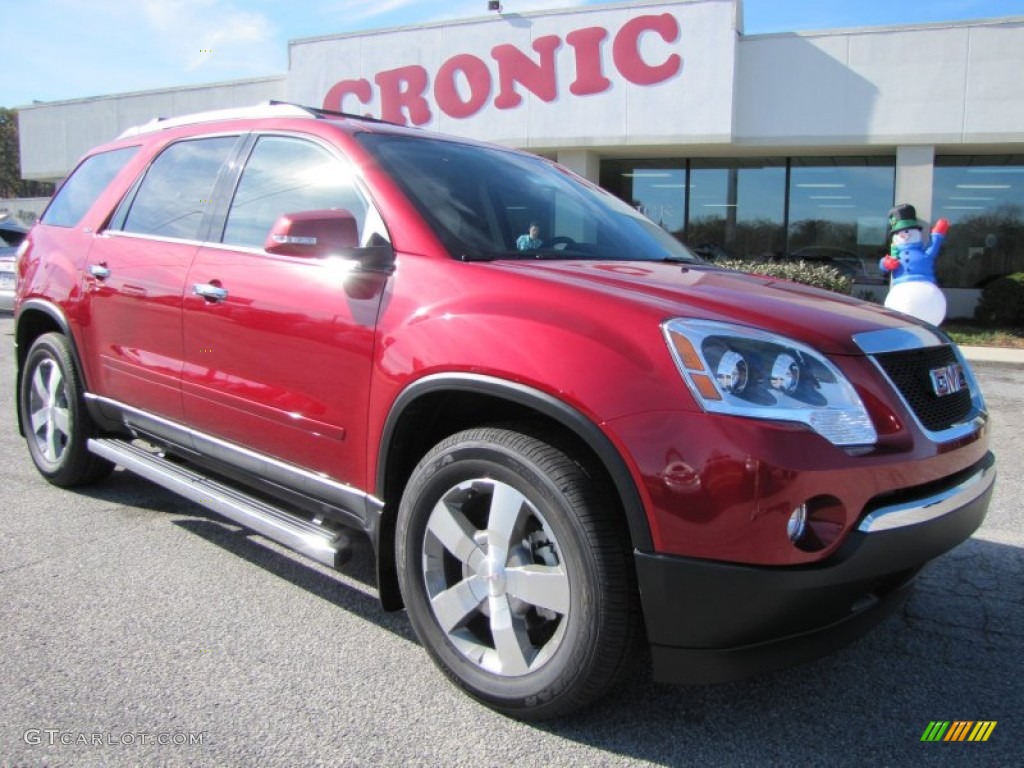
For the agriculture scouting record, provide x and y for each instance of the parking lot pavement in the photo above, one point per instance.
(138, 629)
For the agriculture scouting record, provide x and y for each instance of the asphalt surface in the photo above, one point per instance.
(133, 622)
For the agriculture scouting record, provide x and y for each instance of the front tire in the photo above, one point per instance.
(57, 425)
(516, 573)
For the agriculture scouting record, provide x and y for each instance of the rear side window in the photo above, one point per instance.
(84, 185)
(288, 175)
(177, 188)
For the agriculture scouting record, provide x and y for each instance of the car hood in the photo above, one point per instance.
(824, 320)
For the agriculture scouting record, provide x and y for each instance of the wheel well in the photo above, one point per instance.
(433, 416)
(32, 324)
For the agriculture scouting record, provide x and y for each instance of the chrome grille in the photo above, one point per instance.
(910, 370)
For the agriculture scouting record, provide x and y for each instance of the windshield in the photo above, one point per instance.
(487, 203)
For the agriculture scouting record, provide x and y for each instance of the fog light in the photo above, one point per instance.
(797, 523)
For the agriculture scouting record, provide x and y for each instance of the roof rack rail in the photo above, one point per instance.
(263, 109)
(271, 108)
(323, 112)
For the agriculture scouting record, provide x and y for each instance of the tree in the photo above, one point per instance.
(11, 183)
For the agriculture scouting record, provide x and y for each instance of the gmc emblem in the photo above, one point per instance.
(948, 379)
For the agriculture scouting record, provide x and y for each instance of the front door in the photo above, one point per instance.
(278, 349)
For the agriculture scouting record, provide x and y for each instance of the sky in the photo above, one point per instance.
(54, 50)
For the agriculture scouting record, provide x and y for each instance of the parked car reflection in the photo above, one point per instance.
(860, 269)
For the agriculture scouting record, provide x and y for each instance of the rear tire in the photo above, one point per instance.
(516, 573)
(57, 424)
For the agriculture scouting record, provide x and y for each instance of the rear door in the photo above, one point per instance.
(135, 276)
(278, 348)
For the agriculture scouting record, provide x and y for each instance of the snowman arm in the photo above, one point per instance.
(935, 245)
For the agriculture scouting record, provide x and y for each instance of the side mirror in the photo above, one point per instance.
(321, 234)
(314, 234)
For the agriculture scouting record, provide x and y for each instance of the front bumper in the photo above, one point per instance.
(712, 622)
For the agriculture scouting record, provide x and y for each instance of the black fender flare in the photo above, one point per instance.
(545, 404)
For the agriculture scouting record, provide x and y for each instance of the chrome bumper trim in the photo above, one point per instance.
(923, 510)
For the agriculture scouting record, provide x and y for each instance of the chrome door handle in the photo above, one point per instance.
(210, 292)
(99, 271)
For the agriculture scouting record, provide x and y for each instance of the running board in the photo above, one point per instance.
(328, 547)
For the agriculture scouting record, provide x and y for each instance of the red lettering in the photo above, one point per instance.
(402, 90)
(463, 83)
(514, 66)
(589, 77)
(447, 93)
(335, 98)
(626, 49)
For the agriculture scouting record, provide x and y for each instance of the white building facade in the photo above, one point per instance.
(741, 145)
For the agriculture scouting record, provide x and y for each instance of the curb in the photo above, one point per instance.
(994, 355)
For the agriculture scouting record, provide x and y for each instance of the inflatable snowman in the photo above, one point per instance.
(913, 289)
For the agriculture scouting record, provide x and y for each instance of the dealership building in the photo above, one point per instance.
(748, 145)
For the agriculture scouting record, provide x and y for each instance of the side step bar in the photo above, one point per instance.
(328, 547)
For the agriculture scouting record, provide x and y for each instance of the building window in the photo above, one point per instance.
(822, 209)
(656, 188)
(838, 208)
(983, 198)
(738, 206)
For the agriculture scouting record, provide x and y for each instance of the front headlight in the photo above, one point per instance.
(746, 372)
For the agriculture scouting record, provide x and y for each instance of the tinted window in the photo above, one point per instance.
(84, 185)
(177, 189)
(721, 207)
(287, 175)
(482, 201)
(837, 209)
(983, 198)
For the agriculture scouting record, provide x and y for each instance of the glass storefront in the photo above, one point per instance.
(983, 198)
(821, 209)
(737, 206)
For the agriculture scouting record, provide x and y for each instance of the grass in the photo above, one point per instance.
(970, 334)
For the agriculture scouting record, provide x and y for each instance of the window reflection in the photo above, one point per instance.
(841, 203)
(983, 198)
(831, 210)
(737, 207)
(656, 188)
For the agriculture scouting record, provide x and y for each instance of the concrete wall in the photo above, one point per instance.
(54, 136)
(934, 84)
(666, 68)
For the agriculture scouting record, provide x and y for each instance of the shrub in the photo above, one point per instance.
(1002, 301)
(817, 275)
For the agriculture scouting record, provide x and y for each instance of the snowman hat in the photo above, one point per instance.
(901, 217)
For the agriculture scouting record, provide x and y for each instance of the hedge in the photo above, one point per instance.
(817, 275)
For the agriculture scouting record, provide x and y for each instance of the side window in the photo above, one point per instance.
(84, 185)
(288, 175)
(176, 191)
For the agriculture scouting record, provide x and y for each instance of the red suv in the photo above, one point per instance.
(560, 446)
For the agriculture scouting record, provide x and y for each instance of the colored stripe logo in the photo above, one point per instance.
(959, 730)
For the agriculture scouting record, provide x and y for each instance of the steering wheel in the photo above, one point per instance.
(563, 241)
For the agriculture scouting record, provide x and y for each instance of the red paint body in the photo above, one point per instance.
(304, 364)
